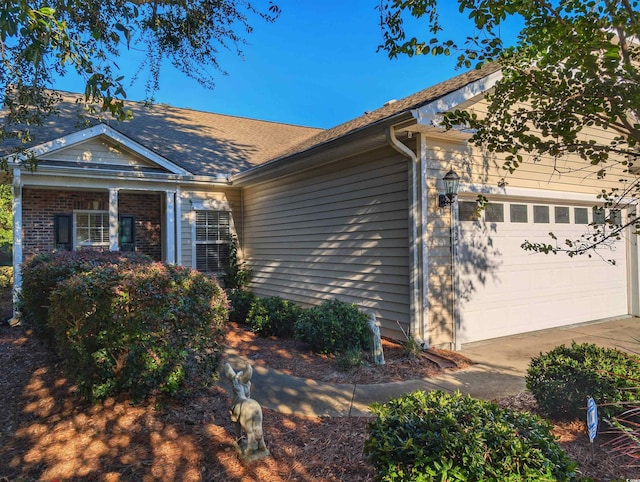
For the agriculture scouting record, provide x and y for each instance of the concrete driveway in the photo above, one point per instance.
(513, 353)
(501, 363)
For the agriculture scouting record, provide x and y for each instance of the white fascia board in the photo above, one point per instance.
(431, 114)
(105, 130)
(45, 176)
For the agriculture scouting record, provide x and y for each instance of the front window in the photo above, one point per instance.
(213, 238)
(91, 228)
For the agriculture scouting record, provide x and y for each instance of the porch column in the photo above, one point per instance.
(17, 238)
(178, 227)
(170, 226)
(114, 244)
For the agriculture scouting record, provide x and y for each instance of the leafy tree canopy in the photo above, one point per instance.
(40, 40)
(574, 66)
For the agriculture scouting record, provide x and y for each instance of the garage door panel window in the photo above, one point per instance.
(581, 215)
(615, 217)
(599, 216)
(541, 214)
(494, 213)
(561, 215)
(467, 211)
(518, 213)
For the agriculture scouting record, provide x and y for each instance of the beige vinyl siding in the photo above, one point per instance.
(232, 196)
(97, 151)
(566, 173)
(339, 231)
(439, 274)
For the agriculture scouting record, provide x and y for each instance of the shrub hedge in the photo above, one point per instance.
(333, 327)
(240, 303)
(42, 272)
(564, 378)
(437, 436)
(273, 316)
(142, 330)
(6, 277)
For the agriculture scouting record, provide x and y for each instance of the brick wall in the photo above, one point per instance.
(39, 206)
(146, 211)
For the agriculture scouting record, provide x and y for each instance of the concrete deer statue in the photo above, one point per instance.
(246, 413)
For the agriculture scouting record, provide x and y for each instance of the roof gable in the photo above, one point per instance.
(102, 145)
(97, 151)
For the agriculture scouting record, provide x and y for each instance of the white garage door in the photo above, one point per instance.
(504, 290)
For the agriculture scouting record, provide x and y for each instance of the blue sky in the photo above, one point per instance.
(317, 66)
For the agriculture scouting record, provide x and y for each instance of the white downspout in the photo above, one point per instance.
(418, 307)
(633, 257)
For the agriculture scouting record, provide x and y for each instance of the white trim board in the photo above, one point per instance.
(109, 132)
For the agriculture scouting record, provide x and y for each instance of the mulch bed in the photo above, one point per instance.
(48, 433)
(292, 357)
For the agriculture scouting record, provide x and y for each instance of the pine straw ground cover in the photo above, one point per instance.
(47, 433)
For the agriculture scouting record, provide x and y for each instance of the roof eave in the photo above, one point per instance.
(426, 118)
(360, 140)
(430, 114)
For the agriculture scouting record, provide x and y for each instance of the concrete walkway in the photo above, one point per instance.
(499, 370)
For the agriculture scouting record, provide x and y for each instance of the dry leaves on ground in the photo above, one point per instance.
(47, 433)
(292, 357)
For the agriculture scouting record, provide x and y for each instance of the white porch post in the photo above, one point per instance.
(17, 238)
(170, 223)
(178, 227)
(114, 241)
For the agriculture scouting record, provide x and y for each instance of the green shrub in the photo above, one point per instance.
(333, 327)
(562, 380)
(350, 359)
(240, 303)
(273, 316)
(437, 436)
(412, 346)
(6, 277)
(42, 272)
(147, 329)
(236, 276)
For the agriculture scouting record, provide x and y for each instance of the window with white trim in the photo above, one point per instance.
(213, 239)
(91, 228)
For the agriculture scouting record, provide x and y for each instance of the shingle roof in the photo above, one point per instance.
(208, 144)
(413, 101)
(200, 142)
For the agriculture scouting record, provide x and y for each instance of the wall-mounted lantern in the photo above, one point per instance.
(451, 183)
